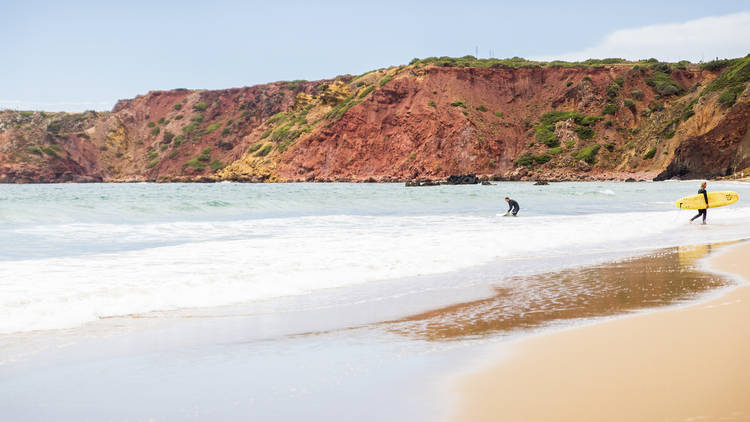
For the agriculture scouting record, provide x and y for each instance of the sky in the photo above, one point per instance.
(80, 55)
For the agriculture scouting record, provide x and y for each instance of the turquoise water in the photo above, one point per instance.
(142, 203)
(70, 254)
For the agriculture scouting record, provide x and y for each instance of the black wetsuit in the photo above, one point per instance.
(513, 207)
(702, 211)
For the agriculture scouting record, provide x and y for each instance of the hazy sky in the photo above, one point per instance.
(77, 55)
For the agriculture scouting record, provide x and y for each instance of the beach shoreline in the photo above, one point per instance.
(682, 363)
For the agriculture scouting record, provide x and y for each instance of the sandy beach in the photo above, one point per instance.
(687, 363)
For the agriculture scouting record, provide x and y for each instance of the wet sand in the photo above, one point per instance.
(688, 363)
(664, 277)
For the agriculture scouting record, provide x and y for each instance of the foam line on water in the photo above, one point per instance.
(220, 263)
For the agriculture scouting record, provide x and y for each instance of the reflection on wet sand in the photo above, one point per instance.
(666, 277)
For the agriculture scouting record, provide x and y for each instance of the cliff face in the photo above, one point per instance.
(426, 120)
(718, 152)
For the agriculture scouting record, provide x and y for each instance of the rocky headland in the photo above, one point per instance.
(508, 119)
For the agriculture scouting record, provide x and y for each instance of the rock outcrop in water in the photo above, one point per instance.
(500, 119)
(463, 179)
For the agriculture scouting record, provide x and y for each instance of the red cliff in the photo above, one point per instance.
(500, 119)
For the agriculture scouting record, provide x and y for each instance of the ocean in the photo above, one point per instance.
(262, 275)
(71, 254)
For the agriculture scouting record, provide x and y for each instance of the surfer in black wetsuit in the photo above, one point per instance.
(702, 211)
(512, 206)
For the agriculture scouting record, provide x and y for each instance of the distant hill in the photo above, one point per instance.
(509, 119)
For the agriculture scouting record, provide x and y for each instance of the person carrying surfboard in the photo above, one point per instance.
(701, 202)
(702, 211)
(513, 206)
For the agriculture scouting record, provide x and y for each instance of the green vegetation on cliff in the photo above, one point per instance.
(199, 162)
(729, 95)
(732, 81)
(212, 127)
(216, 165)
(366, 91)
(545, 131)
(471, 61)
(341, 108)
(514, 62)
(262, 152)
(529, 159)
(664, 84)
(52, 150)
(612, 91)
(737, 72)
(54, 127)
(546, 135)
(584, 132)
(520, 62)
(588, 154)
(610, 109)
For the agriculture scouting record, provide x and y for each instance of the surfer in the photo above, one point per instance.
(512, 206)
(702, 211)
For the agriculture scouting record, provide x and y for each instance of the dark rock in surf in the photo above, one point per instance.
(463, 179)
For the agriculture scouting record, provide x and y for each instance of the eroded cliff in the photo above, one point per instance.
(502, 119)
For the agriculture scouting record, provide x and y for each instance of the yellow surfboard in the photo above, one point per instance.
(715, 199)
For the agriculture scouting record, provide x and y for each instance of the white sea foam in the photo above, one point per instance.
(74, 253)
(218, 263)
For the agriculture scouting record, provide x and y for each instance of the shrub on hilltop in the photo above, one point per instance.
(664, 84)
(736, 74)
